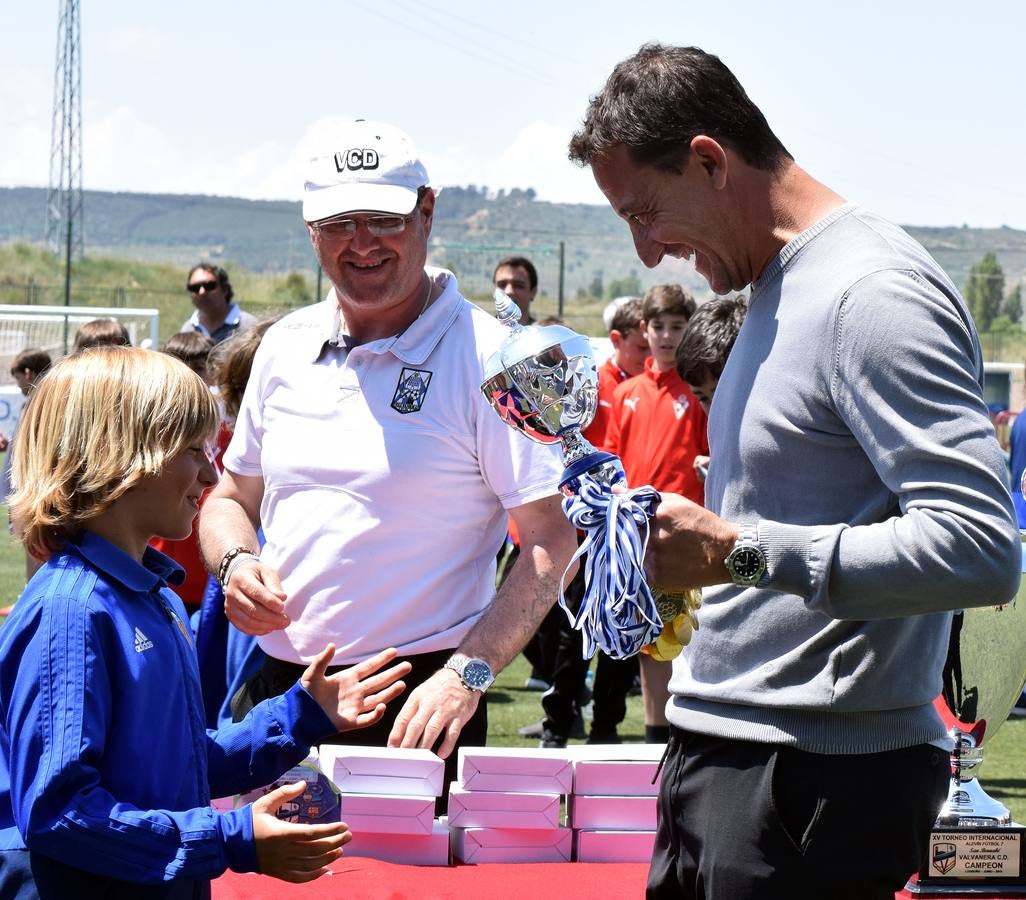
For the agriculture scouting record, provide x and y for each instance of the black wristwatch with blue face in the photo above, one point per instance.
(475, 674)
(746, 563)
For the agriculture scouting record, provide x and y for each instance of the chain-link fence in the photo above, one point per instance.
(474, 265)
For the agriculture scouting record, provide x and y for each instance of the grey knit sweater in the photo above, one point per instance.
(849, 424)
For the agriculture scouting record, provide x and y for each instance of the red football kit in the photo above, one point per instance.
(611, 376)
(657, 428)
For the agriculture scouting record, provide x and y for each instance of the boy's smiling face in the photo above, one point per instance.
(664, 333)
(163, 505)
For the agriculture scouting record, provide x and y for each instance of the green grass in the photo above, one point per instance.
(511, 705)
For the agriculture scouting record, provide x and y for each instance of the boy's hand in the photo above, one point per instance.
(290, 851)
(355, 697)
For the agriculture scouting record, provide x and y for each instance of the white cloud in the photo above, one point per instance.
(125, 151)
(535, 158)
(137, 40)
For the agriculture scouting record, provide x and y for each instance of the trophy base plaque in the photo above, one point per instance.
(973, 862)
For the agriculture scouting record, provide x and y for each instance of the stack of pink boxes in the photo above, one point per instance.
(612, 809)
(387, 797)
(505, 805)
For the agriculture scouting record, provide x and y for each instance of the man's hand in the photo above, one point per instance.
(355, 697)
(253, 600)
(290, 851)
(701, 466)
(440, 706)
(687, 545)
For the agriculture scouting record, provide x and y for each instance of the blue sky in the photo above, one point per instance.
(913, 108)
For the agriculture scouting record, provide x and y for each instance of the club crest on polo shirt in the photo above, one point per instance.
(680, 406)
(356, 158)
(411, 390)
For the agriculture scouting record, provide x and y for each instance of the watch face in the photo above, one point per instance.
(747, 563)
(477, 675)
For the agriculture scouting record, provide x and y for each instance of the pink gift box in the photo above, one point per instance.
(383, 770)
(409, 849)
(625, 769)
(504, 845)
(388, 813)
(612, 813)
(513, 769)
(502, 809)
(613, 846)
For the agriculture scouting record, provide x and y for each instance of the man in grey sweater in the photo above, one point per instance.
(856, 496)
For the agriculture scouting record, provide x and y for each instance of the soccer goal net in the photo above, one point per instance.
(52, 328)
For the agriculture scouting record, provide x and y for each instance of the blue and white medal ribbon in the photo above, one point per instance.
(618, 614)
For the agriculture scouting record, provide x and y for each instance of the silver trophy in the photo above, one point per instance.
(975, 847)
(543, 382)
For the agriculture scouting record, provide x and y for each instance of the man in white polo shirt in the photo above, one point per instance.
(380, 474)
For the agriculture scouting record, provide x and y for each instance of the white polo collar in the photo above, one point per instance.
(418, 341)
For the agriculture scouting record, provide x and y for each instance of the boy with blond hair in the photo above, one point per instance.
(106, 771)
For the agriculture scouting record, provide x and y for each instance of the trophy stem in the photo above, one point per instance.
(968, 805)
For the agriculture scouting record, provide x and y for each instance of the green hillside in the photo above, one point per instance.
(261, 241)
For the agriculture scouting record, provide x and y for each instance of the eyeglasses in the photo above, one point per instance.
(380, 226)
(207, 286)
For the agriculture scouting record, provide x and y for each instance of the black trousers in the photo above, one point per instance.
(561, 702)
(746, 821)
(276, 677)
(613, 681)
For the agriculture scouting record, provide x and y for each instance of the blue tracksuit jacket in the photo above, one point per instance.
(106, 769)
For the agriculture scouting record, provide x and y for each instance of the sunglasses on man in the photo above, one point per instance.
(207, 286)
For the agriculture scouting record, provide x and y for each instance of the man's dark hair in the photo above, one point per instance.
(627, 317)
(524, 263)
(658, 100)
(35, 360)
(709, 338)
(220, 274)
(667, 300)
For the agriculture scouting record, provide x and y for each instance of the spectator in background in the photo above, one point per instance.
(657, 427)
(27, 368)
(193, 349)
(610, 310)
(517, 278)
(703, 353)
(1017, 466)
(614, 678)
(630, 350)
(216, 316)
(227, 656)
(101, 333)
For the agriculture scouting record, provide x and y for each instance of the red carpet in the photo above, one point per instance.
(368, 879)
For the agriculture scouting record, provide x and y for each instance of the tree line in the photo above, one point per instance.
(993, 308)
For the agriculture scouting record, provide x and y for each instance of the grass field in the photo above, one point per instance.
(511, 705)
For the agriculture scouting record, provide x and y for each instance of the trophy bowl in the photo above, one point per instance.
(543, 381)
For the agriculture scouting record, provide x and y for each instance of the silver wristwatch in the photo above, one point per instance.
(746, 563)
(475, 674)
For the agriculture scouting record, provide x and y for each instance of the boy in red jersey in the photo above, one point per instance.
(657, 428)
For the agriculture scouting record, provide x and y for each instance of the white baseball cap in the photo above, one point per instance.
(369, 166)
